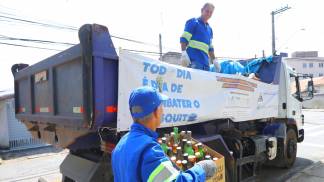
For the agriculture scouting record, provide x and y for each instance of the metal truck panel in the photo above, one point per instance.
(76, 88)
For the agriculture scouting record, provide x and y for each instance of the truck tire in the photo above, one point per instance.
(290, 148)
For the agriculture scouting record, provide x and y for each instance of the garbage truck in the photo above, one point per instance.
(78, 99)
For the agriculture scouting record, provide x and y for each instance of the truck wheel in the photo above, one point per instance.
(290, 148)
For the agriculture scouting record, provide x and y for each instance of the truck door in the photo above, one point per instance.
(294, 100)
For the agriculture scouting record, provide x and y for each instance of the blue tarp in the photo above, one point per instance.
(229, 67)
(235, 67)
(265, 68)
(254, 65)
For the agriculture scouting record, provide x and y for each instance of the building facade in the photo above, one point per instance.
(307, 62)
(13, 133)
(172, 58)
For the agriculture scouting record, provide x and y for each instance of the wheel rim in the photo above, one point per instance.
(292, 146)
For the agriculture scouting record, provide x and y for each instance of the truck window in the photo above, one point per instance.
(293, 86)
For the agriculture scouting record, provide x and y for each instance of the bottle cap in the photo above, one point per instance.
(208, 157)
(173, 159)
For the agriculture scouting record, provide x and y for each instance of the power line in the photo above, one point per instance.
(141, 51)
(39, 23)
(64, 43)
(4, 37)
(67, 28)
(20, 45)
(8, 17)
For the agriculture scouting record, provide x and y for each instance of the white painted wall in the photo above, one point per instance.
(297, 64)
(4, 133)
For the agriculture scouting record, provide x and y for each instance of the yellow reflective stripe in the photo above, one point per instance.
(187, 35)
(155, 172)
(199, 45)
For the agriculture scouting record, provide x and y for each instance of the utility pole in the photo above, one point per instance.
(160, 46)
(273, 13)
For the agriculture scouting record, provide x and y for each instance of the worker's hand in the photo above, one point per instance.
(209, 167)
(185, 60)
(216, 65)
(253, 76)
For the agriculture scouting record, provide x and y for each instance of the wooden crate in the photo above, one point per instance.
(220, 163)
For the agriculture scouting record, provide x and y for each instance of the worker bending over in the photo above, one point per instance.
(139, 157)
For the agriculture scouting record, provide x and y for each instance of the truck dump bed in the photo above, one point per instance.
(73, 90)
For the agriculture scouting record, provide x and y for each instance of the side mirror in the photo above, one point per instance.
(310, 88)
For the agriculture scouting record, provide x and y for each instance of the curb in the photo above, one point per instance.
(304, 171)
(314, 110)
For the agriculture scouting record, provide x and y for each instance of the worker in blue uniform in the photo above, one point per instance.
(196, 41)
(139, 157)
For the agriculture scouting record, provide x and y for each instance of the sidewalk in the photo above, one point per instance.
(313, 173)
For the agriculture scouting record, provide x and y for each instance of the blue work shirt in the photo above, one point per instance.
(139, 157)
(198, 35)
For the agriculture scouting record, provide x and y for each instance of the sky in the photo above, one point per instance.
(242, 29)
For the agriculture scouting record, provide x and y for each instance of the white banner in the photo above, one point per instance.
(194, 95)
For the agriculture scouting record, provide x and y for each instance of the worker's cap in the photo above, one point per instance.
(144, 100)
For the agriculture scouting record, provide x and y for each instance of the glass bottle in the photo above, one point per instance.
(182, 135)
(191, 160)
(185, 156)
(189, 135)
(173, 159)
(169, 152)
(164, 145)
(198, 156)
(188, 148)
(184, 165)
(201, 150)
(176, 135)
(183, 143)
(172, 139)
(208, 157)
(179, 164)
(174, 148)
(179, 153)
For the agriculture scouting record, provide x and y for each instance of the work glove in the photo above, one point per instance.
(185, 60)
(209, 167)
(216, 65)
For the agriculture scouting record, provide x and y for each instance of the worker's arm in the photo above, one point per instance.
(187, 33)
(155, 166)
(184, 41)
(211, 47)
(212, 55)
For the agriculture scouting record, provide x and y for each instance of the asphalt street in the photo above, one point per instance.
(30, 165)
(309, 151)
